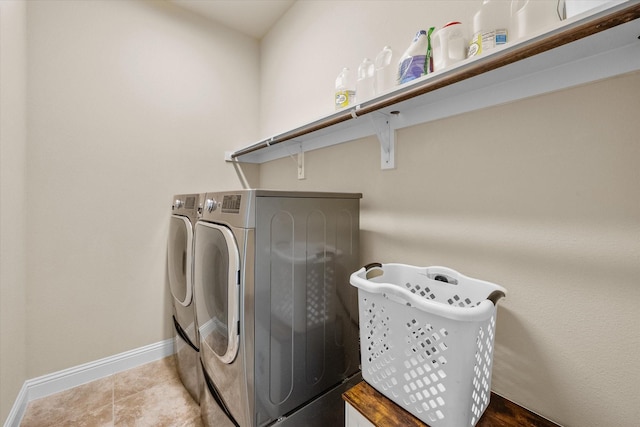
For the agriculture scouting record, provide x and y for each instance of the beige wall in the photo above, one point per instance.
(540, 196)
(13, 331)
(129, 102)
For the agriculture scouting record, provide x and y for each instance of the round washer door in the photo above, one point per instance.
(217, 288)
(179, 258)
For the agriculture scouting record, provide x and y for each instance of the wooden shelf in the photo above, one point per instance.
(581, 50)
(382, 412)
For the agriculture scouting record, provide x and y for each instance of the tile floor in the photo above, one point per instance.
(149, 395)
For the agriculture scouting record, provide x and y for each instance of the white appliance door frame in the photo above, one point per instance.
(184, 295)
(214, 240)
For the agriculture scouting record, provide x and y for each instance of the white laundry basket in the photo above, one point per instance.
(426, 339)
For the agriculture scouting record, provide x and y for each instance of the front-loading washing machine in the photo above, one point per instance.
(277, 318)
(185, 211)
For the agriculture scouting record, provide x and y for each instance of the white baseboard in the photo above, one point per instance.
(19, 406)
(68, 378)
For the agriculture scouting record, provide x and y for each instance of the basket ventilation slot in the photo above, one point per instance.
(428, 293)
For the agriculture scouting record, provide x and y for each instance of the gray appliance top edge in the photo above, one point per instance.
(296, 194)
(318, 194)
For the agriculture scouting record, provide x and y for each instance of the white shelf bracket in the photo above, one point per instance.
(386, 133)
(301, 163)
(298, 158)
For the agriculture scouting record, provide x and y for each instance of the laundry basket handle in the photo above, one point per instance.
(495, 296)
(372, 265)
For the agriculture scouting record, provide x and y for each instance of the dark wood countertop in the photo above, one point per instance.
(382, 412)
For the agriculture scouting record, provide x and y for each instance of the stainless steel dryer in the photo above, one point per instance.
(278, 320)
(184, 214)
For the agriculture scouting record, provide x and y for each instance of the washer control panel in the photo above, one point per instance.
(187, 205)
(188, 201)
(231, 203)
(231, 208)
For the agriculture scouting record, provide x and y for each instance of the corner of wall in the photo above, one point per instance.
(12, 201)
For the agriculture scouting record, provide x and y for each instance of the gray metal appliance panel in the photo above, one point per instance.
(326, 410)
(185, 210)
(306, 314)
(187, 361)
(242, 213)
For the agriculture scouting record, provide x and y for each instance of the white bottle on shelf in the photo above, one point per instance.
(577, 7)
(365, 84)
(386, 72)
(490, 26)
(529, 17)
(449, 45)
(345, 89)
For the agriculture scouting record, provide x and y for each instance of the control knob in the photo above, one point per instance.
(178, 204)
(210, 205)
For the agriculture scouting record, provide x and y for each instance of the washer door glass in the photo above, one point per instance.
(179, 259)
(216, 271)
